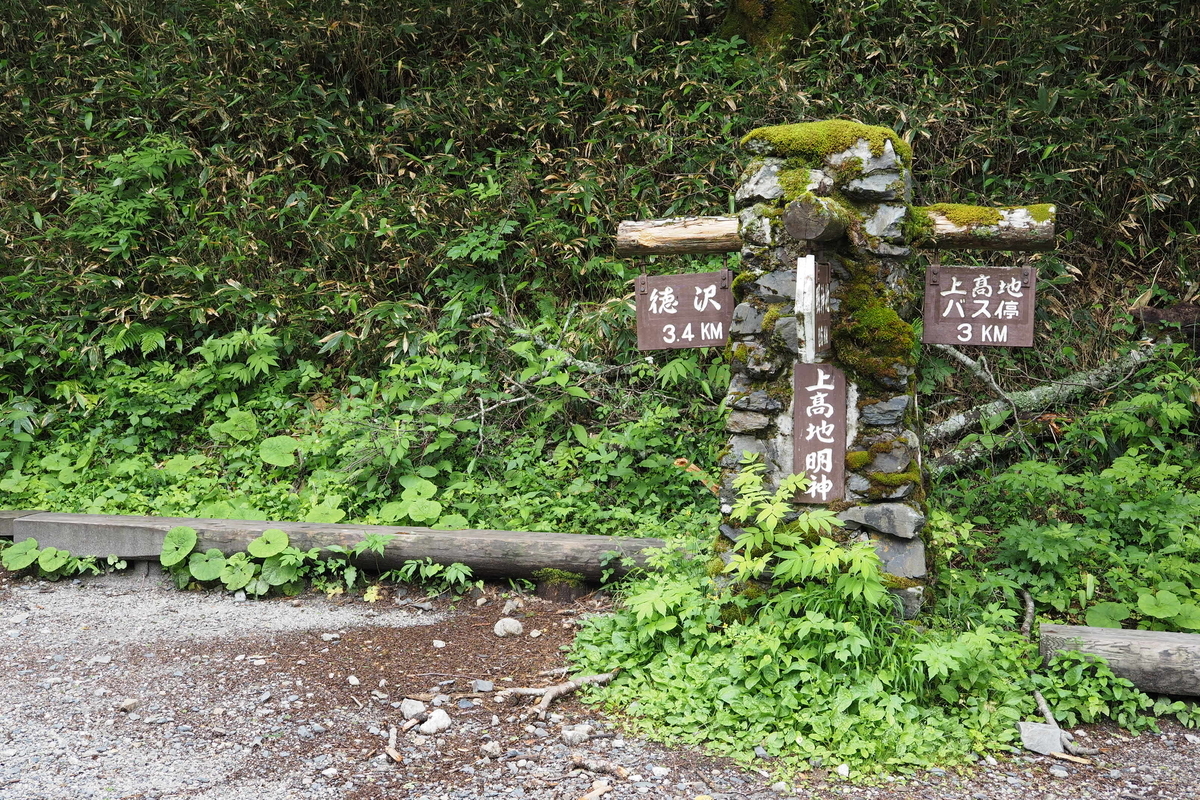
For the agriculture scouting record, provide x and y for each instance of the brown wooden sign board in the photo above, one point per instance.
(991, 306)
(819, 431)
(675, 311)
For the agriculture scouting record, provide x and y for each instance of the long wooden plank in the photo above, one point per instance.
(489, 553)
(678, 235)
(1165, 663)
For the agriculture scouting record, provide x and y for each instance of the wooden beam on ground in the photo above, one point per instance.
(1164, 663)
(6, 521)
(489, 554)
(679, 235)
(945, 227)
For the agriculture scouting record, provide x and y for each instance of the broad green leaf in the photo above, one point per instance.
(422, 510)
(20, 555)
(1188, 617)
(206, 566)
(277, 573)
(452, 522)
(237, 573)
(417, 488)
(241, 426)
(52, 559)
(257, 586)
(178, 543)
(1107, 615)
(1162, 605)
(279, 450)
(325, 514)
(272, 542)
(397, 509)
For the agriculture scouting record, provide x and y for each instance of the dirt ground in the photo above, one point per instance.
(121, 687)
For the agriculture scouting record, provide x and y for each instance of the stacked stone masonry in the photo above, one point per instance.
(841, 192)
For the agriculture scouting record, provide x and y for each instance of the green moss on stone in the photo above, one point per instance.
(965, 216)
(918, 227)
(816, 140)
(740, 283)
(715, 566)
(873, 340)
(896, 582)
(1041, 212)
(858, 459)
(894, 480)
(558, 577)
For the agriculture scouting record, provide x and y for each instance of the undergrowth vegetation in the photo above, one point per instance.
(352, 261)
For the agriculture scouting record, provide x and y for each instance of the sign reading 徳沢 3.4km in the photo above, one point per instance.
(676, 311)
(979, 306)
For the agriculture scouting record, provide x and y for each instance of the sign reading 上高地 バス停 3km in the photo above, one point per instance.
(981, 306)
(676, 311)
(819, 431)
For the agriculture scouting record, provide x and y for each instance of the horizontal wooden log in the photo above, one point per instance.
(489, 554)
(1164, 663)
(815, 219)
(680, 235)
(951, 227)
(6, 521)
(1017, 228)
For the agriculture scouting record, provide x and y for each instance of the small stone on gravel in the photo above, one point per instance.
(508, 627)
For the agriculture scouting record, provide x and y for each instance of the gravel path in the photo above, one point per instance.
(118, 687)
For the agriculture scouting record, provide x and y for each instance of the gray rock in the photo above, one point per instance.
(491, 749)
(785, 329)
(742, 444)
(904, 558)
(887, 160)
(911, 600)
(889, 412)
(756, 401)
(896, 460)
(754, 359)
(891, 250)
(896, 519)
(411, 708)
(857, 483)
(1041, 737)
(886, 223)
(776, 287)
(1059, 772)
(482, 686)
(512, 605)
(508, 627)
(762, 184)
(747, 320)
(820, 183)
(438, 721)
(754, 227)
(876, 187)
(743, 421)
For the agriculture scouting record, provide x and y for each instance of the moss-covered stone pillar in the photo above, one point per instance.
(841, 192)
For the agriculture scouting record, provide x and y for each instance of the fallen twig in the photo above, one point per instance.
(551, 693)
(598, 788)
(598, 765)
(1072, 759)
(1027, 623)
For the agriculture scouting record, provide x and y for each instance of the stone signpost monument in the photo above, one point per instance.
(821, 342)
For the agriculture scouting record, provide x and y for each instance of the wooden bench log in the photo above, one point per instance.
(1164, 663)
(1018, 228)
(489, 554)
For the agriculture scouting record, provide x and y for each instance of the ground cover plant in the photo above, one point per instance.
(353, 261)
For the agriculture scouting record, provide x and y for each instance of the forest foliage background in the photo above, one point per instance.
(354, 261)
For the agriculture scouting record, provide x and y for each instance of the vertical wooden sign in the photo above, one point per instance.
(819, 431)
(812, 306)
(968, 305)
(675, 311)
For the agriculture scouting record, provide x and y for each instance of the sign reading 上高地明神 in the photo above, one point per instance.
(982, 306)
(813, 307)
(819, 431)
(676, 311)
